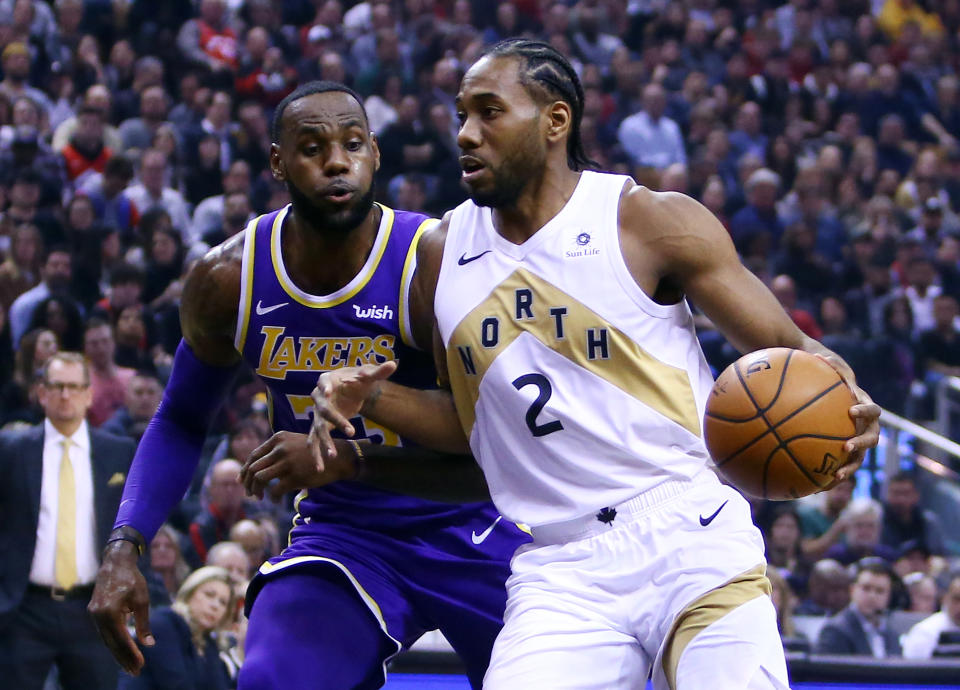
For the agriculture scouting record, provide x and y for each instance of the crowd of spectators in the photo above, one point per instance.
(825, 135)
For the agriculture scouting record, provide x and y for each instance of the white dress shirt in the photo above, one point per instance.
(653, 144)
(41, 570)
(922, 638)
(874, 635)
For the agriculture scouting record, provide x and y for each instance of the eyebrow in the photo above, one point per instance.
(308, 129)
(482, 96)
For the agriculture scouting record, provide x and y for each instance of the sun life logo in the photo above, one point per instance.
(582, 248)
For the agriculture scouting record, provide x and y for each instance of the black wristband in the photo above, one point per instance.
(125, 537)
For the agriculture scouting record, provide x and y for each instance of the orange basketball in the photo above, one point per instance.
(776, 422)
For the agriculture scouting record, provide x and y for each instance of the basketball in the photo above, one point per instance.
(776, 421)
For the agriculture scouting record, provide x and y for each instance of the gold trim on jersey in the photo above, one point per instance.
(270, 409)
(708, 609)
(246, 284)
(302, 494)
(526, 303)
(406, 276)
(350, 289)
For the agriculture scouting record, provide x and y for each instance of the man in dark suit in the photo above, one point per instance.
(61, 488)
(862, 627)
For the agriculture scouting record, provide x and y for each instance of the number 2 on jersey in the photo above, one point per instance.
(546, 390)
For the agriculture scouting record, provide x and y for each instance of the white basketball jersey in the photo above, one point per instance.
(577, 391)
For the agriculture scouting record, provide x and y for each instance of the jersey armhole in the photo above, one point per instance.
(618, 264)
(406, 280)
(246, 284)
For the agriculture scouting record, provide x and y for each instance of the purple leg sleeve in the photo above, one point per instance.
(170, 448)
(311, 630)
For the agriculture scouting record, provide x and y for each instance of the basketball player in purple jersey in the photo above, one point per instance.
(320, 284)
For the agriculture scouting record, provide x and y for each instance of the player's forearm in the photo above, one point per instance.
(427, 417)
(425, 474)
(170, 448)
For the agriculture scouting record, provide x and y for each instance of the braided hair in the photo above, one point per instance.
(548, 76)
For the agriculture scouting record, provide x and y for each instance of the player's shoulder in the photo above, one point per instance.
(430, 247)
(221, 266)
(668, 224)
(211, 294)
(642, 206)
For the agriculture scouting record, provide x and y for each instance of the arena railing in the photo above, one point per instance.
(932, 457)
(947, 410)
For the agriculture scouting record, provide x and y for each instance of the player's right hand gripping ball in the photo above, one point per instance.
(776, 421)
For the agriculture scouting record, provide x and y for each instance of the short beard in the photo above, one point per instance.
(511, 176)
(339, 222)
(505, 192)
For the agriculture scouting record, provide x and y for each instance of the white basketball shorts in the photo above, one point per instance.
(671, 582)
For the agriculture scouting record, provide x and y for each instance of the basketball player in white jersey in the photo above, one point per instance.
(570, 368)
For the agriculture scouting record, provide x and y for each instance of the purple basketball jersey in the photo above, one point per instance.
(417, 564)
(289, 337)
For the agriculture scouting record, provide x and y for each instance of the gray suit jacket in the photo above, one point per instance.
(21, 472)
(843, 634)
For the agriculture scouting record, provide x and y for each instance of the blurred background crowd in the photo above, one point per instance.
(825, 135)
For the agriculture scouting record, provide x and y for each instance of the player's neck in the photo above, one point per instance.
(320, 262)
(539, 202)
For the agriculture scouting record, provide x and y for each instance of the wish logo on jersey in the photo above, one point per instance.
(374, 312)
(281, 355)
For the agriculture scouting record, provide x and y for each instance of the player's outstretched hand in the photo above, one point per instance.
(286, 462)
(865, 415)
(121, 590)
(341, 394)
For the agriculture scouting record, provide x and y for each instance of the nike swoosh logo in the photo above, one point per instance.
(707, 520)
(463, 260)
(482, 537)
(261, 310)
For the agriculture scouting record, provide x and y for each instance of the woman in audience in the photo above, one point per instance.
(186, 656)
(922, 590)
(21, 269)
(782, 539)
(95, 250)
(135, 335)
(164, 268)
(18, 398)
(60, 314)
(892, 358)
(166, 559)
(166, 139)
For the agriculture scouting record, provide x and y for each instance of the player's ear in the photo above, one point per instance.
(375, 146)
(276, 164)
(559, 120)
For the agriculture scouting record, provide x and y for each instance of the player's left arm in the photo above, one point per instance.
(674, 247)
(286, 462)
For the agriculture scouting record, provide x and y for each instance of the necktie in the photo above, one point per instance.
(65, 560)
